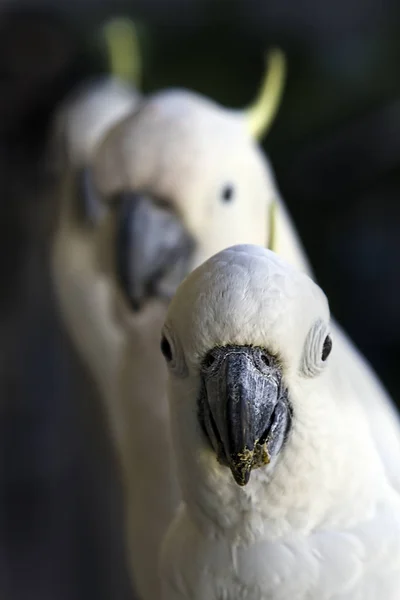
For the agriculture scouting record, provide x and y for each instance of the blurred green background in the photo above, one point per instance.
(335, 149)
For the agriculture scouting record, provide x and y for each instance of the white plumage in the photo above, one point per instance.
(185, 151)
(322, 521)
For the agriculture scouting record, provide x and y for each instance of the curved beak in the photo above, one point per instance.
(243, 411)
(153, 249)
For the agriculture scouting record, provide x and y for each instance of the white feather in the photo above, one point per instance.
(322, 522)
(185, 149)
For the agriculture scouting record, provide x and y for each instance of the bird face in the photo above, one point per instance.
(247, 329)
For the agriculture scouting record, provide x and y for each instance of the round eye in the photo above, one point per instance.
(173, 353)
(228, 193)
(327, 347)
(166, 349)
(317, 347)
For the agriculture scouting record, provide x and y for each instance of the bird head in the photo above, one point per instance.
(183, 178)
(244, 333)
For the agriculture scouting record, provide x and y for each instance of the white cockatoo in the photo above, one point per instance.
(286, 495)
(174, 181)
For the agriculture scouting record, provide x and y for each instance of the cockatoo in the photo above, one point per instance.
(175, 181)
(286, 495)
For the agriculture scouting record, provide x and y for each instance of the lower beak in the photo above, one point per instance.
(153, 249)
(241, 396)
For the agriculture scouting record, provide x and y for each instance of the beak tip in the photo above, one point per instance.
(241, 476)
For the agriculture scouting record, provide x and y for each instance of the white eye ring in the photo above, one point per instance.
(173, 353)
(317, 348)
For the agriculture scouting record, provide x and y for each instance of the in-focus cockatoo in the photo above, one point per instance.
(174, 182)
(285, 492)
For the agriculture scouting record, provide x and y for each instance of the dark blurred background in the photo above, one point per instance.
(335, 147)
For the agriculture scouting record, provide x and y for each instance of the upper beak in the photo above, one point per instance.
(153, 248)
(238, 411)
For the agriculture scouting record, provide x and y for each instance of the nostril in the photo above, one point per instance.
(265, 360)
(209, 360)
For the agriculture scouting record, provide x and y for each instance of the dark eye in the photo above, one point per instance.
(326, 350)
(228, 193)
(166, 349)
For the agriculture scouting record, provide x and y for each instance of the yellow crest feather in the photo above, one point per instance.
(260, 115)
(123, 49)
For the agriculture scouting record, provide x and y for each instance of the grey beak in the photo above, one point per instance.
(242, 408)
(153, 249)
